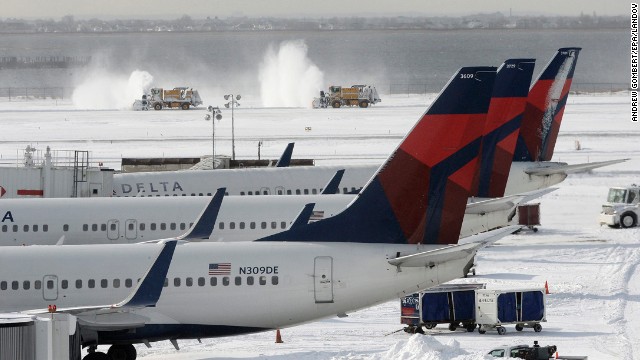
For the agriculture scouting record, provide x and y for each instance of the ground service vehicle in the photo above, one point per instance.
(178, 97)
(622, 207)
(356, 95)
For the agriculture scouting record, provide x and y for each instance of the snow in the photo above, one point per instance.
(592, 271)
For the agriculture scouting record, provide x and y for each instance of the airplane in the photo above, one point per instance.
(391, 241)
(541, 121)
(241, 218)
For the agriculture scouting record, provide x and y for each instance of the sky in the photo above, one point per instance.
(171, 9)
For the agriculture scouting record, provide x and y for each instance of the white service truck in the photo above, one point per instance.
(158, 99)
(356, 95)
(622, 207)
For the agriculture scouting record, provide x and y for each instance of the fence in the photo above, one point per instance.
(34, 93)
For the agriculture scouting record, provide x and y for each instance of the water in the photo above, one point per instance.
(391, 60)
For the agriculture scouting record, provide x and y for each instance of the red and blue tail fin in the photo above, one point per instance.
(420, 193)
(545, 107)
(504, 119)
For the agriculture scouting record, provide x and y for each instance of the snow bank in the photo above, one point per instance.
(424, 347)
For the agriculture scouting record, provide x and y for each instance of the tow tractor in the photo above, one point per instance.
(622, 207)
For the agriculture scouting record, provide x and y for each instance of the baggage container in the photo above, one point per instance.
(523, 307)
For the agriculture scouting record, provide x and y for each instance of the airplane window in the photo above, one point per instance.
(189, 281)
(274, 280)
(353, 189)
(263, 225)
(142, 226)
(91, 283)
(172, 226)
(226, 193)
(78, 284)
(274, 224)
(85, 227)
(176, 282)
(314, 191)
(116, 283)
(45, 228)
(94, 227)
(263, 280)
(26, 284)
(64, 284)
(14, 285)
(113, 227)
(297, 191)
(252, 225)
(306, 191)
(153, 226)
(232, 225)
(4, 228)
(265, 192)
(35, 228)
(213, 281)
(26, 228)
(104, 283)
(49, 284)
(225, 281)
(201, 194)
(250, 193)
(241, 193)
(193, 194)
(241, 224)
(37, 284)
(163, 226)
(3, 285)
(183, 226)
(238, 281)
(184, 194)
(279, 192)
(128, 283)
(132, 226)
(103, 227)
(250, 280)
(15, 228)
(288, 192)
(345, 190)
(208, 194)
(221, 226)
(283, 224)
(175, 194)
(166, 282)
(65, 227)
(200, 281)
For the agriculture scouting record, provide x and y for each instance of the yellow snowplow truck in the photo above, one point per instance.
(158, 99)
(356, 95)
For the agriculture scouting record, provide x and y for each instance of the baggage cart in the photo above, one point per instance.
(523, 307)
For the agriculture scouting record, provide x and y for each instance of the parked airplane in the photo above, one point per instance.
(241, 218)
(386, 244)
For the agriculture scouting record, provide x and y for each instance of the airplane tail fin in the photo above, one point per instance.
(504, 119)
(285, 158)
(419, 194)
(545, 107)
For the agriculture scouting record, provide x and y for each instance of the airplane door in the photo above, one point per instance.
(113, 229)
(131, 229)
(50, 287)
(323, 278)
(279, 190)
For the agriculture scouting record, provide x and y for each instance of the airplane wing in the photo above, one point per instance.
(117, 316)
(570, 169)
(438, 256)
(504, 203)
(334, 184)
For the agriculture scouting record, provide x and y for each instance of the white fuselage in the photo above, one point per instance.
(269, 284)
(131, 220)
(288, 181)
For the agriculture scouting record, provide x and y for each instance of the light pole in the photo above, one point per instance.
(233, 103)
(215, 114)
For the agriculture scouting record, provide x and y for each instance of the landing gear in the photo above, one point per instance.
(122, 352)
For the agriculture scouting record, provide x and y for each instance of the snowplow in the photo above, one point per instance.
(622, 208)
(178, 97)
(356, 95)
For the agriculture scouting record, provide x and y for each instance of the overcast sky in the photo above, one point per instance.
(171, 9)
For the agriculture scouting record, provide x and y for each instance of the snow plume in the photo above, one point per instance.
(424, 347)
(287, 77)
(102, 90)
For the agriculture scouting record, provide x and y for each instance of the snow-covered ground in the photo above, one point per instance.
(592, 271)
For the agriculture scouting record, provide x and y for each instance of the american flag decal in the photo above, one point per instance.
(220, 269)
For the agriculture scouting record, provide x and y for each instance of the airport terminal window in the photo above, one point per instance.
(65, 227)
(201, 281)
(213, 281)
(163, 226)
(263, 280)
(176, 282)
(104, 283)
(64, 284)
(91, 283)
(116, 283)
(14, 285)
(37, 284)
(241, 224)
(94, 227)
(35, 228)
(250, 280)
(142, 226)
(232, 225)
(188, 281)
(78, 284)
(238, 280)
(3, 285)
(152, 226)
(225, 281)
(103, 227)
(252, 224)
(274, 280)
(128, 283)
(221, 225)
(45, 227)
(26, 284)
(25, 228)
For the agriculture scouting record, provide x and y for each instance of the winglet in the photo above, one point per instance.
(149, 289)
(304, 216)
(285, 158)
(207, 219)
(334, 183)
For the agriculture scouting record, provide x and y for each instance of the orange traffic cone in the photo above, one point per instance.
(278, 337)
(546, 288)
(556, 357)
